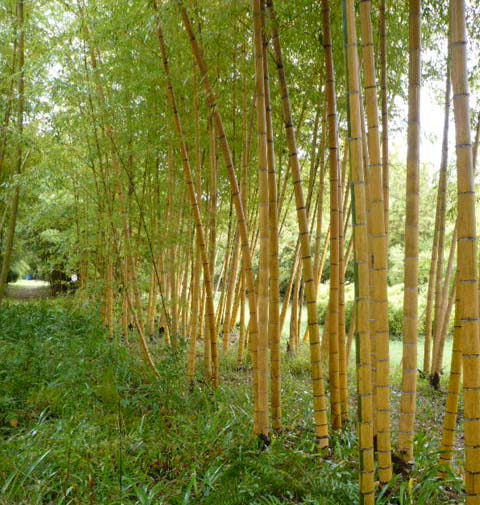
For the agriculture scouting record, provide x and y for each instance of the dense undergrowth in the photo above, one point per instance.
(82, 421)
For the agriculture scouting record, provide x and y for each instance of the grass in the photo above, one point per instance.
(82, 421)
(28, 289)
(33, 283)
(396, 354)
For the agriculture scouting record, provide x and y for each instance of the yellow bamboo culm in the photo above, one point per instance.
(333, 304)
(364, 371)
(441, 296)
(235, 191)
(379, 262)
(200, 235)
(410, 299)
(467, 253)
(274, 299)
(319, 397)
(262, 365)
(447, 448)
(384, 99)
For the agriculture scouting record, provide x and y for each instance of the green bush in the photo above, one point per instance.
(322, 312)
(323, 308)
(12, 276)
(395, 322)
(395, 318)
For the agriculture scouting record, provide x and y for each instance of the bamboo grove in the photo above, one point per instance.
(227, 159)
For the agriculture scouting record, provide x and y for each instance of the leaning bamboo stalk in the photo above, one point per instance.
(317, 166)
(288, 292)
(224, 279)
(293, 336)
(383, 91)
(437, 356)
(444, 328)
(196, 305)
(138, 325)
(242, 227)
(232, 281)
(427, 350)
(236, 303)
(233, 316)
(440, 299)
(351, 332)
(319, 220)
(212, 200)
(152, 299)
(447, 448)
(348, 253)
(195, 319)
(323, 259)
(342, 344)
(200, 236)
(242, 329)
(246, 134)
(184, 293)
(171, 255)
(319, 398)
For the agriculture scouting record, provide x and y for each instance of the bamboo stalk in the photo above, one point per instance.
(359, 201)
(319, 398)
(467, 253)
(242, 227)
(200, 236)
(333, 316)
(379, 261)
(410, 300)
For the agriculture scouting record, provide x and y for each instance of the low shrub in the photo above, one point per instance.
(395, 317)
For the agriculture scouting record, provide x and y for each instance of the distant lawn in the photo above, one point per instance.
(396, 354)
(23, 283)
(24, 290)
(395, 296)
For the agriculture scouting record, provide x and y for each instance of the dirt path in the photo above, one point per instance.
(28, 290)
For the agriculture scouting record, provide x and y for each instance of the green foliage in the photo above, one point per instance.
(395, 322)
(395, 308)
(82, 420)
